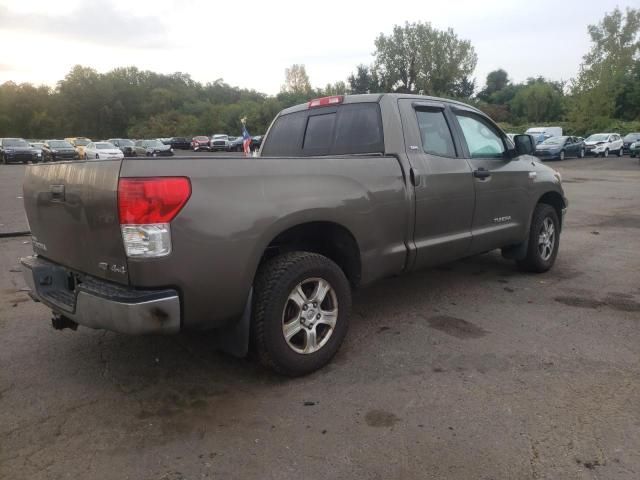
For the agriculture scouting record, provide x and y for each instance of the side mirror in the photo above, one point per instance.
(524, 145)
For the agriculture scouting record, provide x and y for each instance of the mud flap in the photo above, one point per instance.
(234, 338)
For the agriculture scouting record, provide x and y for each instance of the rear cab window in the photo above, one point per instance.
(354, 128)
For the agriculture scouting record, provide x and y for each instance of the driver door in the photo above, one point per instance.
(501, 183)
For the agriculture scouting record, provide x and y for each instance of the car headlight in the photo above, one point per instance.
(633, 145)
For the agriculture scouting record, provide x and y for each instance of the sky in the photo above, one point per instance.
(250, 43)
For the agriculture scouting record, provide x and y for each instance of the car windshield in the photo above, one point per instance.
(104, 145)
(220, 137)
(598, 137)
(14, 142)
(126, 143)
(202, 139)
(154, 143)
(59, 144)
(631, 137)
(554, 141)
(82, 142)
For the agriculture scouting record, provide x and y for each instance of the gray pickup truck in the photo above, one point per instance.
(346, 190)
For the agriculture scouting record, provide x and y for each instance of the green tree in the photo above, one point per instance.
(364, 80)
(296, 80)
(497, 81)
(614, 51)
(418, 58)
(538, 101)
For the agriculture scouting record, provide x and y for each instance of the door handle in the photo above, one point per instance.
(415, 178)
(481, 173)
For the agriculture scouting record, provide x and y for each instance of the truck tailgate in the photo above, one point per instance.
(72, 208)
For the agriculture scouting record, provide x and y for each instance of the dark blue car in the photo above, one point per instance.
(559, 148)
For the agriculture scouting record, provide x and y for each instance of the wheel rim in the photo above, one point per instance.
(561, 155)
(546, 239)
(606, 153)
(310, 315)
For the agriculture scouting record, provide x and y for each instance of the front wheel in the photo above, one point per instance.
(562, 155)
(544, 240)
(582, 153)
(301, 310)
(606, 153)
(620, 152)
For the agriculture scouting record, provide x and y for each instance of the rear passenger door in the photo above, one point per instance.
(443, 184)
(501, 183)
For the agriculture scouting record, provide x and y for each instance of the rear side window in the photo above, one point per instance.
(435, 133)
(343, 130)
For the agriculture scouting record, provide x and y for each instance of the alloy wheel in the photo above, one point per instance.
(546, 239)
(310, 315)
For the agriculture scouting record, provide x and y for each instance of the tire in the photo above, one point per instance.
(541, 258)
(606, 153)
(4, 159)
(620, 152)
(561, 157)
(581, 154)
(277, 282)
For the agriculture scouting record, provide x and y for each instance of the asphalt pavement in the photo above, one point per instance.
(471, 370)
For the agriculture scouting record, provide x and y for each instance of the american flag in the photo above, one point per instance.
(246, 140)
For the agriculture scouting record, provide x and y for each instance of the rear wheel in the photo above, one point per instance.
(300, 312)
(620, 152)
(544, 240)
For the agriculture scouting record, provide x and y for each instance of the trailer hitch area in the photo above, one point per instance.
(60, 322)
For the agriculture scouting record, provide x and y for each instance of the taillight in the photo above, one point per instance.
(146, 206)
(326, 101)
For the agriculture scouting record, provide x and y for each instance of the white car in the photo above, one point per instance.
(604, 144)
(102, 151)
(220, 142)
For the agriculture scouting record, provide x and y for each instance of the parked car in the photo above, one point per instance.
(79, 143)
(256, 142)
(236, 145)
(55, 150)
(634, 149)
(219, 141)
(125, 145)
(272, 249)
(18, 150)
(102, 151)
(180, 143)
(153, 148)
(200, 143)
(628, 139)
(604, 144)
(543, 133)
(37, 146)
(559, 148)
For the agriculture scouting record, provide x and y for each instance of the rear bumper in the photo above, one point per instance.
(97, 304)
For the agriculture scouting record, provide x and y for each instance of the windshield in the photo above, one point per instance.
(220, 137)
(202, 139)
(554, 141)
(59, 144)
(126, 143)
(154, 143)
(598, 137)
(631, 137)
(14, 142)
(104, 146)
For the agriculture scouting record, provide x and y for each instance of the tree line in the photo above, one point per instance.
(413, 58)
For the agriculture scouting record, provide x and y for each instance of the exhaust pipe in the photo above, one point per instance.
(60, 322)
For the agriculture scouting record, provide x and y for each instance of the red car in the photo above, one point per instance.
(200, 143)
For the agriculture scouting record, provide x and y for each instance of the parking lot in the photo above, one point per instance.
(471, 370)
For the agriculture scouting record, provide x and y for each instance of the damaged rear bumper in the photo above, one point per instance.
(94, 303)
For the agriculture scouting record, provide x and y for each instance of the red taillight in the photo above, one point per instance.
(326, 101)
(151, 200)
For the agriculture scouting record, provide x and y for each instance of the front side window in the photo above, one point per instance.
(435, 133)
(482, 140)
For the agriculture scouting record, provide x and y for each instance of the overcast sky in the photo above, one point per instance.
(250, 43)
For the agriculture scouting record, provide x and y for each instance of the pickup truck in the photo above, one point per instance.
(346, 190)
